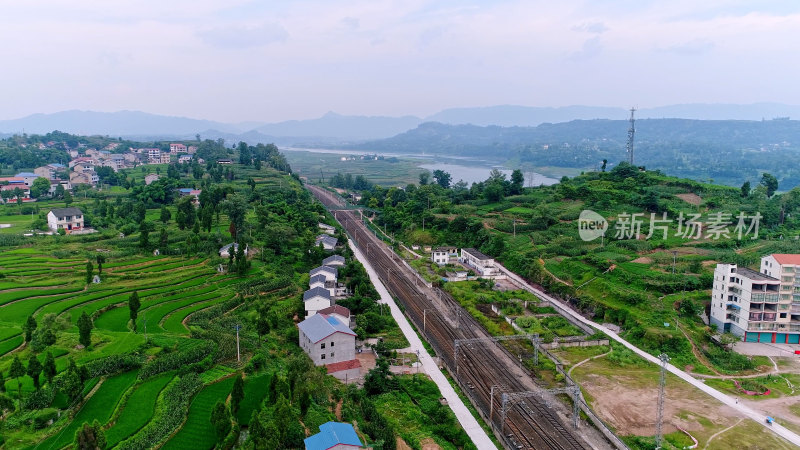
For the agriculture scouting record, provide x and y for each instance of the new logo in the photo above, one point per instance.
(591, 225)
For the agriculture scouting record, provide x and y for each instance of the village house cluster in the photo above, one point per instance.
(326, 334)
(82, 168)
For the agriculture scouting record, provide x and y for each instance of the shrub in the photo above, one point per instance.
(42, 418)
(113, 364)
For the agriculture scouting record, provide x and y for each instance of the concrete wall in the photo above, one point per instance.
(343, 348)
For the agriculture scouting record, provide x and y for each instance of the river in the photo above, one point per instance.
(470, 170)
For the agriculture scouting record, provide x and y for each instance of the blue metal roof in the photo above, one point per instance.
(331, 434)
(319, 326)
(26, 174)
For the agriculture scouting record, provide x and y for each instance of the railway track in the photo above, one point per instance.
(530, 423)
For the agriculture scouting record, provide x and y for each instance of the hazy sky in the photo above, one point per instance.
(272, 60)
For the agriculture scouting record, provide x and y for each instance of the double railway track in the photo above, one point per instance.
(530, 423)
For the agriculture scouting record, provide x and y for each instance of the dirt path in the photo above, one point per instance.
(338, 410)
(587, 360)
(697, 353)
(720, 432)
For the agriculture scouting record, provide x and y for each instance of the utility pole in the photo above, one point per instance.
(631, 131)
(674, 256)
(238, 355)
(661, 384)
(145, 329)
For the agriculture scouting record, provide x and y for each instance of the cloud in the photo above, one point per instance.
(243, 37)
(693, 47)
(591, 27)
(350, 22)
(591, 48)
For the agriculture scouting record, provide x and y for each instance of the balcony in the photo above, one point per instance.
(762, 327)
(796, 308)
(770, 317)
(762, 297)
(756, 316)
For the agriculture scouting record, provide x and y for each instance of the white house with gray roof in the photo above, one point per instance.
(482, 264)
(333, 261)
(315, 299)
(330, 273)
(67, 219)
(328, 242)
(326, 340)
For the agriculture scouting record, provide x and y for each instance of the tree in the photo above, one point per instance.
(163, 238)
(90, 437)
(517, 180)
(89, 270)
(603, 167)
(29, 328)
(17, 371)
(221, 420)
(67, 198)
(424, 178)
(101, 259)
(133, 306)
(379, 379)
(746, 189)
(770, 183)
(34, 370)
(235, 206)
(49, 367)
(237, 393)
(2, 382)
(59, 193)
(40, 187)
(85, 329)
(442, 178)
(493, 192)
(186, 215)
(165, 214)
(144, 234)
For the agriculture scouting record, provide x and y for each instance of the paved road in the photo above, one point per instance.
(780, 430)
(465, 418)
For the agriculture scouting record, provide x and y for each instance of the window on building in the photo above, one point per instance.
(783, 315)
(322, 357)
(322, 345)
(332, 343)
(331, 354)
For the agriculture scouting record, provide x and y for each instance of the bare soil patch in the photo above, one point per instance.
(690, 198)
(643, 260)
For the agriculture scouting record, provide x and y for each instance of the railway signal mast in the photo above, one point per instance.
(631, 131)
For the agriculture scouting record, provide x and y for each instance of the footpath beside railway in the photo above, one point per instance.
(465, 418)
(729, 401)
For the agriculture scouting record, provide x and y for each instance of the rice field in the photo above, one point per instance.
(197, 432)
(170, 290)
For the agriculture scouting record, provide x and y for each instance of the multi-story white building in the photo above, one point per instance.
(482, 264)
(759, 306)
(68, 219)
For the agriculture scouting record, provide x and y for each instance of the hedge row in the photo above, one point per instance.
(178, 359)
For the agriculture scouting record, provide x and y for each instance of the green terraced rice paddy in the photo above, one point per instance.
(197, 432)
(99, 407)
(138, 409)
(255, 391)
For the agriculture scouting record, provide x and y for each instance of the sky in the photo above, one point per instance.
(268, 61)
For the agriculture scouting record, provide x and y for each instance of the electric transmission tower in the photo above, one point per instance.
(629, 145)
(661, 384)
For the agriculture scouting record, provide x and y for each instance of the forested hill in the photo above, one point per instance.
(727, 151)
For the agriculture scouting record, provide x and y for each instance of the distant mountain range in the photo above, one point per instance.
(334, 128)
